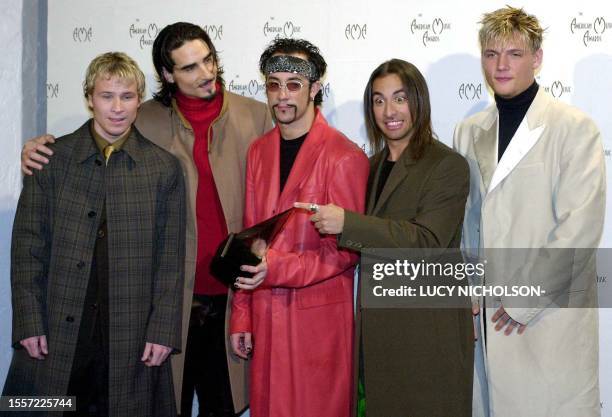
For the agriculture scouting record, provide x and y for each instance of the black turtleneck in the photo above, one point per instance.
(289, 149)
(511, 113)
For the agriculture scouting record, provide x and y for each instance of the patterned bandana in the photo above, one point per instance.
(288, 63)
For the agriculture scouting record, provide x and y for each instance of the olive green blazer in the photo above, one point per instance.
(414, 362)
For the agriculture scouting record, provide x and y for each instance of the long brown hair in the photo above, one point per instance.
(415, 87)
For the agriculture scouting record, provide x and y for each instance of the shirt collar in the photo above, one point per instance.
(102, 143)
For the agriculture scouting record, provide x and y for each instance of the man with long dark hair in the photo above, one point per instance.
(209, 130)
(413, 362)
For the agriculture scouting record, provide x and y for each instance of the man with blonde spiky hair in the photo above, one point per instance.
(97, 260)
(537, 182)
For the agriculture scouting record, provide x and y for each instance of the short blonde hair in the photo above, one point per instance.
(114, 64)
(503, 24)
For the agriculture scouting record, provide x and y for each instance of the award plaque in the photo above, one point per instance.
(235, 250)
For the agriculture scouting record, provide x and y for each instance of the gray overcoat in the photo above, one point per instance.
(52, 248)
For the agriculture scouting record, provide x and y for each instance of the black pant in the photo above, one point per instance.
(205, 368)
(89, 374)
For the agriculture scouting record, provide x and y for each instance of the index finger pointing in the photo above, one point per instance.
(305, 206)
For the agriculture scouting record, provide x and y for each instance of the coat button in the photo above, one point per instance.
(98, 162)
(91, 214)
(69, 319)
(94, 306)
(80, 265)
(101, 233)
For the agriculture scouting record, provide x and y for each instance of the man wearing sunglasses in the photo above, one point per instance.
(295, 314)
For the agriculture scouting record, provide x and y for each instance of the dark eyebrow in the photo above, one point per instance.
(187, 66)
(193, 64)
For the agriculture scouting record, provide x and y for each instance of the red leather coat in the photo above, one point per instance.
(301, 316)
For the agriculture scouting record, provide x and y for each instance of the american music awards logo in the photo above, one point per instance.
(284, 30)
(52, 90)
(430, 30)
(590, 30)
(470, 91)
(214, 32)
(82, 34)
(557, 89)
(355, 31)
(326, 89)
(252, 88)
(249, 88)
(144, 33)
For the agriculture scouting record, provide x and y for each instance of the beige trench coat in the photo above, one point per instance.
(240, 122)
(547, 191)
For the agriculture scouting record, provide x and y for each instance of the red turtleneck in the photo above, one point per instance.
(212, 227)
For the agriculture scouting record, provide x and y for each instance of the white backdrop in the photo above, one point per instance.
(440, 37)
(11, 33)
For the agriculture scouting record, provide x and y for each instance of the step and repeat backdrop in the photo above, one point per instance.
(440, 37)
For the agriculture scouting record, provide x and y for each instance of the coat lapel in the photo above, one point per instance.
(85, 146)
(396, 176)
(269, 171)
(485, 146)
(377, 162)
(526, 136)
(521, 143)
(305, 160)
(133, 146)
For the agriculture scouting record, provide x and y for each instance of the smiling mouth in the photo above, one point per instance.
(394, 124)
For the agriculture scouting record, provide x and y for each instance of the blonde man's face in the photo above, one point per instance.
(510, 66)
(114, 103)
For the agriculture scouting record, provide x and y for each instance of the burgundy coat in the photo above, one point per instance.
(301, 317)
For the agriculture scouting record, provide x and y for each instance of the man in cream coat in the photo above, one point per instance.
(537, 181)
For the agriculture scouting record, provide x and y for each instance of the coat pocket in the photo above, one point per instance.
(324, 293)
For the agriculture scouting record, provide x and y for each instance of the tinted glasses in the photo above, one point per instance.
(291, 86)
